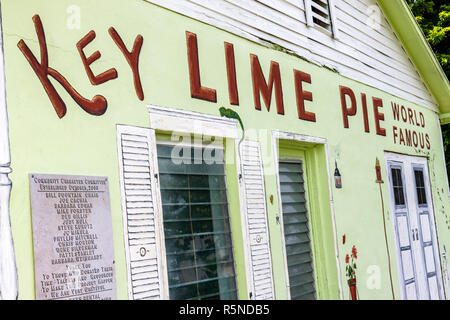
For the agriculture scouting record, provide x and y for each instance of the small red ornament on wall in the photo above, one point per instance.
(350, 269)
(378, 171)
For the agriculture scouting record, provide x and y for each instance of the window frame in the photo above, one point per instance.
(321, 210)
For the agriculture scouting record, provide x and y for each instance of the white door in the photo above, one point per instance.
(413, 219)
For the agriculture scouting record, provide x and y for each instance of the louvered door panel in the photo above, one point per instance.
(252, 189)
(296, 231)
(140, 212)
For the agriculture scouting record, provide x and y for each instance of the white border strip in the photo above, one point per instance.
(8, 270)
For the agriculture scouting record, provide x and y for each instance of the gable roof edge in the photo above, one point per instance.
(418, 48)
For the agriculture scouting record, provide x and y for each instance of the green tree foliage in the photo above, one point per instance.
(433, 17)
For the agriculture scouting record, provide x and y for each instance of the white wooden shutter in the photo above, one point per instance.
(144, 242)
(256, 233)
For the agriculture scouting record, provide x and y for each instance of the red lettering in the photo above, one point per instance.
(421, 140)
(366, 117)
(97, 106)
(260, 86)
(402, 138)
(377, 102)
(411, 115)
(404, 114)
(231, 74)
(408, 137)
(427, 138)
(132, 58)
(346, 112)
(415, 118)
(422, 120)
(301, 95)
(395, 111)
(394, 129)
(415, 139)
(101, 78)
(197, 90)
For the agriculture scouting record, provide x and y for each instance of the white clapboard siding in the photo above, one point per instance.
(256, 233)
(141, 213)
(371, 55)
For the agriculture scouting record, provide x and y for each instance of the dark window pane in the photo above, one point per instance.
(420, 187)
(196, 223)
(397, 185)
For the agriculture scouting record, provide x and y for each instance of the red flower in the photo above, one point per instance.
(347, 259)
(354, 252)
(343, 239)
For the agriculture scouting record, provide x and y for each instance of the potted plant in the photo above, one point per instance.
(350, 269)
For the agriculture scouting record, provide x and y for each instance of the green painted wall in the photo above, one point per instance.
(83, 144)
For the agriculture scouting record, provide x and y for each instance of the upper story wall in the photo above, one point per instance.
(364, 47)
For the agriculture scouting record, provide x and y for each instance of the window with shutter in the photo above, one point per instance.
(177, 229)
(197, 232)
(296, 230)
(320, 14)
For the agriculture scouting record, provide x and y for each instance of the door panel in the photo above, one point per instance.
(296, 230)
(411, 207)
(403, 227)
(427, 242)
(411, 293)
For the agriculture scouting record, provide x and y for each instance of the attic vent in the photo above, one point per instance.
(320, 14)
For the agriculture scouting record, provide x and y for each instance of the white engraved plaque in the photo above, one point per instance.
(72, 235)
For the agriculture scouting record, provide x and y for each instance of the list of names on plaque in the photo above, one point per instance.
(72, 235)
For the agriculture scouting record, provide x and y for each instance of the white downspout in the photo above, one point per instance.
(8, 271)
